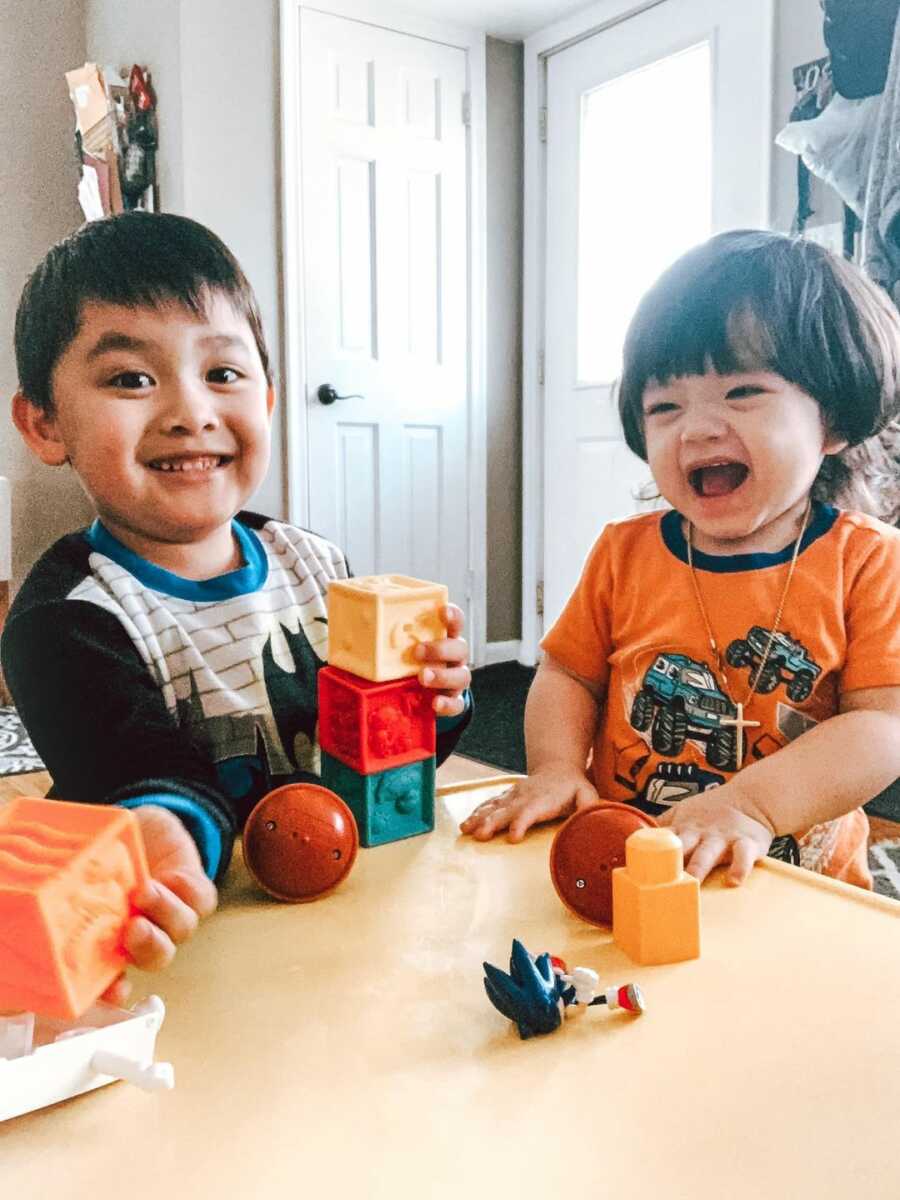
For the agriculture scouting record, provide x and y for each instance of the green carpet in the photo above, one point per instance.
(496, 734)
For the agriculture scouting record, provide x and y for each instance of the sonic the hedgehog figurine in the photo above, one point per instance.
(537, 991)
(531, 994)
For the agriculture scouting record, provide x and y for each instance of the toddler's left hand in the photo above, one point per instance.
(446, 671)
(714, 830)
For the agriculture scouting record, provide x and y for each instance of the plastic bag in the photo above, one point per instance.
(837, 146)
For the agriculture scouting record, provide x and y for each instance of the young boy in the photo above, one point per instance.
(734, 662)
(165, 658)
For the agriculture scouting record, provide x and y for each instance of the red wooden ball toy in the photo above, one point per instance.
(584, 854)
(300, 841)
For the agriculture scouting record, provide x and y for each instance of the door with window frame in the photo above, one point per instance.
(581, 76)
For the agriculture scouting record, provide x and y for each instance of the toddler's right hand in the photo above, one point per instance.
(553, 791)
(172, 903)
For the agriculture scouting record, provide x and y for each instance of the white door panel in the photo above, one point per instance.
(384, 177)
(656, 133)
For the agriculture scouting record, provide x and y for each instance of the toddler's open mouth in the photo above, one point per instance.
(718, 478)
(190, 463)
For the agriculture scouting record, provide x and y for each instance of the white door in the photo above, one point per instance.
(656, 137)
(383, 154)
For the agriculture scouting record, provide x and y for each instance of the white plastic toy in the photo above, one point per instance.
(43, 1061)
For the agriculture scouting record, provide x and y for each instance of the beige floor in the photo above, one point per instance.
(454, 770)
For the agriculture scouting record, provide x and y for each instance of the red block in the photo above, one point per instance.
(374, 726)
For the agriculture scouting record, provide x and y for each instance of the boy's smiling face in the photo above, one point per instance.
(165, 417)
(736, 455)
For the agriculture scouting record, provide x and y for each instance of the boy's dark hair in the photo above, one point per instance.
(134, 259)
(754, 300)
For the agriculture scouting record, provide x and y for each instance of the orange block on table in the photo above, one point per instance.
(67, 874)
(656, 904)
(375, 623)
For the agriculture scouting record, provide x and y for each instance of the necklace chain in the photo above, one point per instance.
(754, 676)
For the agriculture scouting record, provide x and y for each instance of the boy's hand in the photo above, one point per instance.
(171, 905)
(714, 830)
(446, 669)
(553, 791)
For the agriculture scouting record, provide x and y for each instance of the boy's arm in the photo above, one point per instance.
(831, 769)
(451, 729)
(560, 722)
(99, 721)
(834, 767)
(825, 773)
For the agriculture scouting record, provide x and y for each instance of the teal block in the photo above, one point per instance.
(389, 805)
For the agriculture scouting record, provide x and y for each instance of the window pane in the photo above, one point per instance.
(644, 194)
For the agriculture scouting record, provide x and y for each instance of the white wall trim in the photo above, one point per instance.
(477, 213)
(767, 204)
(538, 48)
(294, 350)
(388, 16)
(501, 652)
(5, 530)
(533, 259)
(584, 24)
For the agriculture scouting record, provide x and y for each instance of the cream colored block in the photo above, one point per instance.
(375, 623)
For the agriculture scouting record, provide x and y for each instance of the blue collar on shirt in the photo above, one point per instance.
(248, 578)
(823, 517)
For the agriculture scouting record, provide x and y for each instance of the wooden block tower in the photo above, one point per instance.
(376, 722)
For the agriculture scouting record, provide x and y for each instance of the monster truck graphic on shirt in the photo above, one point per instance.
(678, 700)
(674, 781)
(788, 662)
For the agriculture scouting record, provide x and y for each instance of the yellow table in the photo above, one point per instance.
(345, 1048)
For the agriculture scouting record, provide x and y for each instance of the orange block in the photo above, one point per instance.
(67, 874)
(375, 623)
(656, 904)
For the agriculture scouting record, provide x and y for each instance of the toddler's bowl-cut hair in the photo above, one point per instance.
(752, 300)
(134, 259)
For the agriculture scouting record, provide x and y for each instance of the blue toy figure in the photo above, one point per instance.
(537, 991)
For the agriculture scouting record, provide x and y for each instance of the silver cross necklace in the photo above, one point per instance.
(739, 722)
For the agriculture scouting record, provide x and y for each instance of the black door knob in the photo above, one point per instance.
(327, 394)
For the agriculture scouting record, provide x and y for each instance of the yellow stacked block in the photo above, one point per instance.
(656, 905)
(375, 623)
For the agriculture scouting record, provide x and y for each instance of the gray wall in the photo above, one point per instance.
(216, 76)
(120, 34)
(38, 177)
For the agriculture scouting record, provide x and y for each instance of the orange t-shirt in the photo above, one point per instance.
(633, 627)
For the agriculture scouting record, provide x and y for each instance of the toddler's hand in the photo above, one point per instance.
(714, 830)
(172, 903)
(553, 791)
(446, 669)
